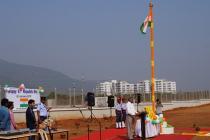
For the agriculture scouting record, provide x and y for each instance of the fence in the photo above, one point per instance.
(76, 98)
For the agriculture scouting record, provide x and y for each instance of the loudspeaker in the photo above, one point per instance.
(138, 98)
(111, 101)
(91, 99)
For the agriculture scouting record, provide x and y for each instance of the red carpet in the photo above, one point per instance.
(108, 134)
(120, 134)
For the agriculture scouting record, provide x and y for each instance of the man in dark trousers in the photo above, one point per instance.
(42, 110)
(30, 117)
(118, 111)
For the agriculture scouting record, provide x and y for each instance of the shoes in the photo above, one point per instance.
(118, 125)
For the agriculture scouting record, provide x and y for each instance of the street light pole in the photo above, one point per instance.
(70, 97)
(82, 97)
(74, 96)
(83, 79)
(55, 96)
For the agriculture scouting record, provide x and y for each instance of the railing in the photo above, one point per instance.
(78, 98)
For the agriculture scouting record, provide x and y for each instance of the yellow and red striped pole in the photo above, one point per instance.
(152, 57)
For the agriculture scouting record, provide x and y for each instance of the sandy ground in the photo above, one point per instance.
(179, 118)
(189, 117)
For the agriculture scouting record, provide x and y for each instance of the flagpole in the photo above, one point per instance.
(152, 57)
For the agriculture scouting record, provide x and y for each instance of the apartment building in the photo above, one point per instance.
(124, 87)
(161, 85)
(114, 87)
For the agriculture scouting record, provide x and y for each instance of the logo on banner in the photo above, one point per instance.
(21, 87)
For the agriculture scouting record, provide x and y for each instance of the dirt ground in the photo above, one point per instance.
(189, 117)
(179, 118)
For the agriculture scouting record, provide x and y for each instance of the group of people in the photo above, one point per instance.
(7, 120)
(6, 116)
(126, 114)
(120, 110)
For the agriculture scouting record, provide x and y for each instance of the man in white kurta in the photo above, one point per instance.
(130, 118)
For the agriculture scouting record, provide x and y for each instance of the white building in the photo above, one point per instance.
(170, 86)
(113, 87)
(104, 88)
(161, 85)
(123, 87)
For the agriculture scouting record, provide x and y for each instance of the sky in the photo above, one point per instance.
(100, 39)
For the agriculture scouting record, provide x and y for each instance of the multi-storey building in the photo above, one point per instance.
(115, 87)
(123, 87)
(161, 85)
(104, 88)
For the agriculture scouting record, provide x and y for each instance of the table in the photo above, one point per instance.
(151, 130)
(59, 131)
(35, 134)
(17, 136)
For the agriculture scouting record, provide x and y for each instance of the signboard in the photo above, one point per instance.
(101, 102)
(20, 96)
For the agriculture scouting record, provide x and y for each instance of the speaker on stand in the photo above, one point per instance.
(91, 102)
(110, 103)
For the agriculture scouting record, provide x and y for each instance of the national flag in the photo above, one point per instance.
(145, 24)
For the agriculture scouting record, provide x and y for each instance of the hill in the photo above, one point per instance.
(14, 74)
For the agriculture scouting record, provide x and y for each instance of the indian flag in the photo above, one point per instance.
(24, 102)
(145, 24)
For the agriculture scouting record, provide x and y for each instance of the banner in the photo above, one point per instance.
(101, 101)
(21, 96)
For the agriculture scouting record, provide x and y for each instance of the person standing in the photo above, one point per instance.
(159, 108)
(123, 112)
(13, 125)
(42, 110)
(118, 112)
(4, 115)
(130, 118)
(30, 117)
